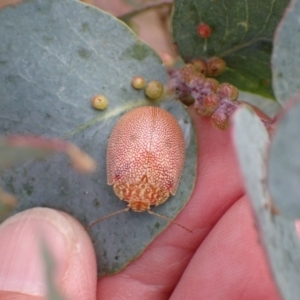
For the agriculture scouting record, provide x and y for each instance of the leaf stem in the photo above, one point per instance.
(153, 5)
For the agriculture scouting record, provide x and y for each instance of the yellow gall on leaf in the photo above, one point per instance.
(154, 90)
(99, 102)
(215, 66)
(138, 82)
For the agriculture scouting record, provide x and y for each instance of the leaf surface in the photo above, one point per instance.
(277, 234)
(242, 34)
(52, 62)
(284, 163)
(286, 53)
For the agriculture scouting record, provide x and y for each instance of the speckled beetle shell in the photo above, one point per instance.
(145, 157)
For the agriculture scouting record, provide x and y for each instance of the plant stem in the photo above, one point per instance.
(157, 4)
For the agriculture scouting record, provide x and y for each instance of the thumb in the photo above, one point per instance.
(21, 264)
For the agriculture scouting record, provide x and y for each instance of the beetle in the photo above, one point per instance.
(145, 159)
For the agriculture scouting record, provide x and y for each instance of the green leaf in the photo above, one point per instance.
(53, 60)
(242, 33)
(284, 163)
(277, 234)
(286, 53)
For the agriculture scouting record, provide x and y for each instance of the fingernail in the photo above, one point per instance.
(21, 262)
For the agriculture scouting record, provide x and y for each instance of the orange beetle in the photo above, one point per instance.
(145, 157)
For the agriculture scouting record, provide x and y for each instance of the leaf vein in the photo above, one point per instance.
(241, 46)
(95, 51)
(115, 112)
(268, 18)
(227, 22)
(64, 63)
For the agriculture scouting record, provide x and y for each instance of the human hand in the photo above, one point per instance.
(221, 259)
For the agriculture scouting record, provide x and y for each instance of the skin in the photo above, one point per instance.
(221, 259)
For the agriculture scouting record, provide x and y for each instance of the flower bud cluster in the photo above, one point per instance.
(209, 98)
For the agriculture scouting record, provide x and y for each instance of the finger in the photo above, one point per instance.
(230, 264)
(218, 185)
(21, 264)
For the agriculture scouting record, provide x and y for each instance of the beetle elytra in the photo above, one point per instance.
(145, 159)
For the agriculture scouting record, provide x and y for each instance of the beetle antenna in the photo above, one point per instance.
(106, 217)
(127, 209)
(169, 220)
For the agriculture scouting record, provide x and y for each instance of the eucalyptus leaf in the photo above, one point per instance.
(284, 163)
(277, 234)
(53, 60)
(242, 33)
(286, 55)
(270, 108)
